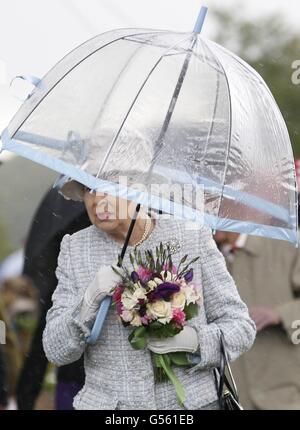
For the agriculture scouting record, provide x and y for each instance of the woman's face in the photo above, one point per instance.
(106, 212)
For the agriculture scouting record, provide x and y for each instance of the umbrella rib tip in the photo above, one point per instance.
(200, 20)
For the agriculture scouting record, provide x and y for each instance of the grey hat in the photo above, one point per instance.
(72, 190)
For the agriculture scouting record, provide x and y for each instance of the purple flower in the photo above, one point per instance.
(164, 291)
(135, 277)
(142, 310)
(189, 275)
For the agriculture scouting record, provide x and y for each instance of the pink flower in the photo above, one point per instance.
(178, 316)
(117, 293)
(127, 316)
(119, 307)
(145, 320)
(144, 273)
(166, 267)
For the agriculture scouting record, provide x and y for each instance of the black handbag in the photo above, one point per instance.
(227, 390)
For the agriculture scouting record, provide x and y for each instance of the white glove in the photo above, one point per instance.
(101, 286)
(186, 340)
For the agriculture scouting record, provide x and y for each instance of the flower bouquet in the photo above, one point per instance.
(156, 298)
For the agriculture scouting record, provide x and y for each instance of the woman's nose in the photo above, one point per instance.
(101, 201)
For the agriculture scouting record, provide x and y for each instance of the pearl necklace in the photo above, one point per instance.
(146, 231)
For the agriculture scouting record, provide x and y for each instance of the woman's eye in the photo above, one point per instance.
(86, 189)
(92, 191)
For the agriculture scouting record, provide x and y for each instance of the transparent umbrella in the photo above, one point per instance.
(176, 109)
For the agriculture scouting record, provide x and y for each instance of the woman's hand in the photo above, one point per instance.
(264, 317)
(102, 286)
(184, 341)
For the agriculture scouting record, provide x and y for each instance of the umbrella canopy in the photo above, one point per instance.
(103, 109)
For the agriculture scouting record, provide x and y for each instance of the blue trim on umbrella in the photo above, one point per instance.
(252, 228)
(242, 197)
(158, 203)
(247, 199)
(33, 80)
(37, 139)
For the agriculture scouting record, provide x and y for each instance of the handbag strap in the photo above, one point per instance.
(220, 376)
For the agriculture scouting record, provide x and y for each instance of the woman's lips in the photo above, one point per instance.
(104, 216)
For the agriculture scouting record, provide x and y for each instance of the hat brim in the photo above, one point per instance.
(72, 190)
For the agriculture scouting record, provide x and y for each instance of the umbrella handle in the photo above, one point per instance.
(101, 316)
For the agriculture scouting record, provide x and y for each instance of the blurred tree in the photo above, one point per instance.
(270, 47)
(5, 248)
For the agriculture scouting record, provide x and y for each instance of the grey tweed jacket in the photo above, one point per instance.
(117, 376)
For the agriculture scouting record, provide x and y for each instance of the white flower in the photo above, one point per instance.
(182, 282)
(191, 293)
(139, 294)
(158, 281)
(178, 300)
(168, 277)
(136, 321)
(128, 300)
(151, 284)
(126, 316)
(160, 310)
(137, 285)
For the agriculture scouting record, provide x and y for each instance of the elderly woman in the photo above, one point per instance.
(118, 376)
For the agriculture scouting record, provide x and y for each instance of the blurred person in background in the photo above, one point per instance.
(10, 362)
(54, 218)
(3, 382)
(12, 265)
(267, 275)
(20, 303)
